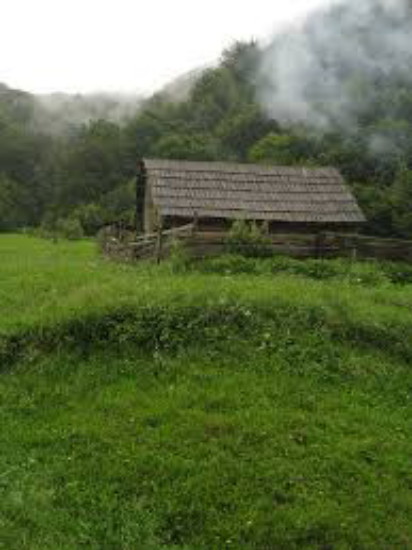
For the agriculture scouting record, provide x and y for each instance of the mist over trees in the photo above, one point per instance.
(337, 91)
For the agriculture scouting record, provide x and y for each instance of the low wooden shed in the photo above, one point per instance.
(217, 193)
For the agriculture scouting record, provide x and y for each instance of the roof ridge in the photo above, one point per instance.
(219, 166)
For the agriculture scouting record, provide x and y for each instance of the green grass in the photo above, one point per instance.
(147, 409)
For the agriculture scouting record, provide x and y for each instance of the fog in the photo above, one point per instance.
(323, 73)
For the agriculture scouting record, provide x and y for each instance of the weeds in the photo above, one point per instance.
(363, 273)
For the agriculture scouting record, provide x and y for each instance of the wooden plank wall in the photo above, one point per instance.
(215, 243)
(200, 244)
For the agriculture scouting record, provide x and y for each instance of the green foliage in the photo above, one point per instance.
(93, 165)
(242, 59)
(397, 272)
(186, 147)
(49, 225)
(11, 204)
(69, 228)
(91, 217)
(401, 199)
(56, 228)
(240, 131)
(248, 239)
(227, 264)
(119, 204)
(179, 258)
(375, 202)
(354, 273)
(214, 96)
(276, 148)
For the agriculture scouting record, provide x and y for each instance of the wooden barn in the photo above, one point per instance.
(307, 212)
(289, 199)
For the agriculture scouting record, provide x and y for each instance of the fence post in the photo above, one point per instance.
(195, 223)
(354, 251)
(319, 245)
(159, 242)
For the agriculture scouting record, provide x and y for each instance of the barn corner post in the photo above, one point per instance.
(320, 243)
(195, 223)
(159, 240)
(141, 178)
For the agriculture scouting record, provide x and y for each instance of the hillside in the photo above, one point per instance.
(150, 407)
(60, 113)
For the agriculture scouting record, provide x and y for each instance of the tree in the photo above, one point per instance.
(11, 200)
(214, 96)
(401, 202)
(240, 130)
(189, 147)
(91, 217)
(276, 148)
(92, 166)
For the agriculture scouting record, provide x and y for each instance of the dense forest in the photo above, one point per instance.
(336, 91)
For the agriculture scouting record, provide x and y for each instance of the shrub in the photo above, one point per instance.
(179, 256)
(357, 273)
(398, 272)
(320, 269)
(366, 273)
(70, 228)
(91, 217)
(248, 239)
(314, 269)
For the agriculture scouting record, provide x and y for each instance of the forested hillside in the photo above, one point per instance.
(337, 91)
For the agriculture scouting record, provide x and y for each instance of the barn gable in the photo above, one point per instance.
(180, 189)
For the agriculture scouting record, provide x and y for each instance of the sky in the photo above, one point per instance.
(129, 46)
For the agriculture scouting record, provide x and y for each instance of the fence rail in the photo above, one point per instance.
(199, 243)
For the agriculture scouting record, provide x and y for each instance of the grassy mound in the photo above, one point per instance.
(144, 408)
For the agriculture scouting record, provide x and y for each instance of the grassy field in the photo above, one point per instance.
(230, 404)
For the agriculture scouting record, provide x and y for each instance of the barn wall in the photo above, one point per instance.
(219, 225)
(285, 227)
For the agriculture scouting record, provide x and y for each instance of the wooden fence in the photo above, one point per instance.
(368, 247)
(200, 243)
(127, 247)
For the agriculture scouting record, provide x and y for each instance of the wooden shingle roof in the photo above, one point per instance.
(255, 192)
